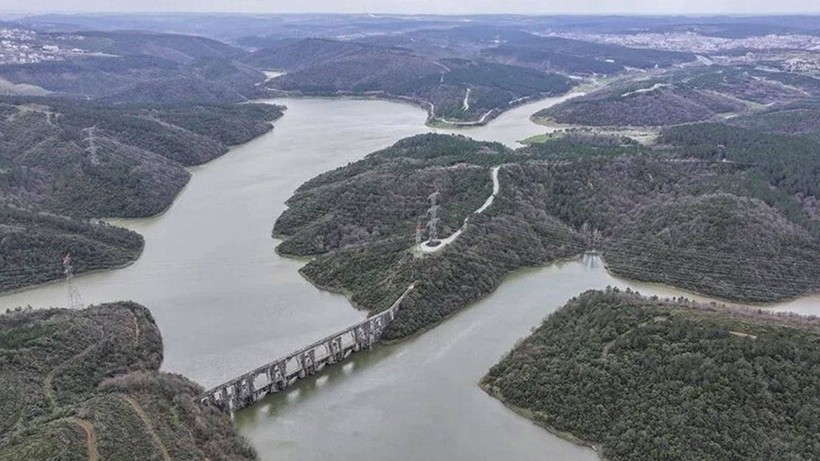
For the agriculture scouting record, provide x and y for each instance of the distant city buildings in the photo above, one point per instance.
(801, 65)
(697, 43)
(791, 53)
(23, 46)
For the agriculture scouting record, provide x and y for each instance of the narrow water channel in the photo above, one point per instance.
(225, 303)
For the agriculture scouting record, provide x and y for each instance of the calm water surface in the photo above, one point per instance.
(225, 303)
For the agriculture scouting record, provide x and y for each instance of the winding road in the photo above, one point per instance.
(425, 247)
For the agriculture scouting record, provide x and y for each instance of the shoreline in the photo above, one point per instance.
(432, 120)
(78, 275)
(306, 259)
(532, 417)
(707, 298)
(689, 294)
(122, 222)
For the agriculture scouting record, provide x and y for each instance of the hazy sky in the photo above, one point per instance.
(421, 6)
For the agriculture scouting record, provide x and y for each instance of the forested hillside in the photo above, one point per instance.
(656, 215)
(683, 96)
(142, 67)
(183, 49)
(85, 384)
(800, 117)
(789, 163)
(555, 54)
(86, 160)
(33, 244)
(512, 45)
(644, 379)
(453, 89)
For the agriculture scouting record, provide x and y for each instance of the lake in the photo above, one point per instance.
(226, 303)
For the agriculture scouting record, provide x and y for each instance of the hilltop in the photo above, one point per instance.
(85, 385)
(641, 378)
(684, 96)
(63, 161)
(139, 67)
(515, 45)
(657, 215)
(452, 89)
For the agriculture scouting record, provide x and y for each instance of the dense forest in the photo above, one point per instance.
(654, 213)
(556, 54)
(435, 68)
(683, 96)
(326, 67)
(801, 117)
(645, 379)
(85, 384)
(142, 67)
(790, 163)
(86, 160)
(32, 246)
(512, 45)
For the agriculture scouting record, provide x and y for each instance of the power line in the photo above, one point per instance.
(74, 298)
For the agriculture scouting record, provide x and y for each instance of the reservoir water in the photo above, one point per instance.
(225, 303)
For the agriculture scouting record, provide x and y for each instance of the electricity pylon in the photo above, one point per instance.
(432, 213)
(74, 298)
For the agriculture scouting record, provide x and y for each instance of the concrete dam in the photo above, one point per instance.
(277, 375)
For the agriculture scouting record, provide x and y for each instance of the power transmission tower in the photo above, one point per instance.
(432, 213)
(74, 298)
(92, 145)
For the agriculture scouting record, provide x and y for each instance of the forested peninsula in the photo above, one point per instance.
(84, 385)
(64, 161)
(452, 90)
(462, 76)
(685, 95)
(644, 379)
(109, 133)
(723, 225)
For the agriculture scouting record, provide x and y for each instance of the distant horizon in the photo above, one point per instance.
(23, 13)
(423, 7)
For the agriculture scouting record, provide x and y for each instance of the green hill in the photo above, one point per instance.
(556, 54)
(85, 384)
(141, 67)
(720, 245)
(658, 218)
(684, 96)
(32, 246)
(173, 47)
(644, 379)
(86, 160)
(327, 67)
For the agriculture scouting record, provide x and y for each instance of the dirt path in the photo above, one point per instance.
(48, 382)
(154, 436)
(137, 331)
(90, 438)
(424, 247)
